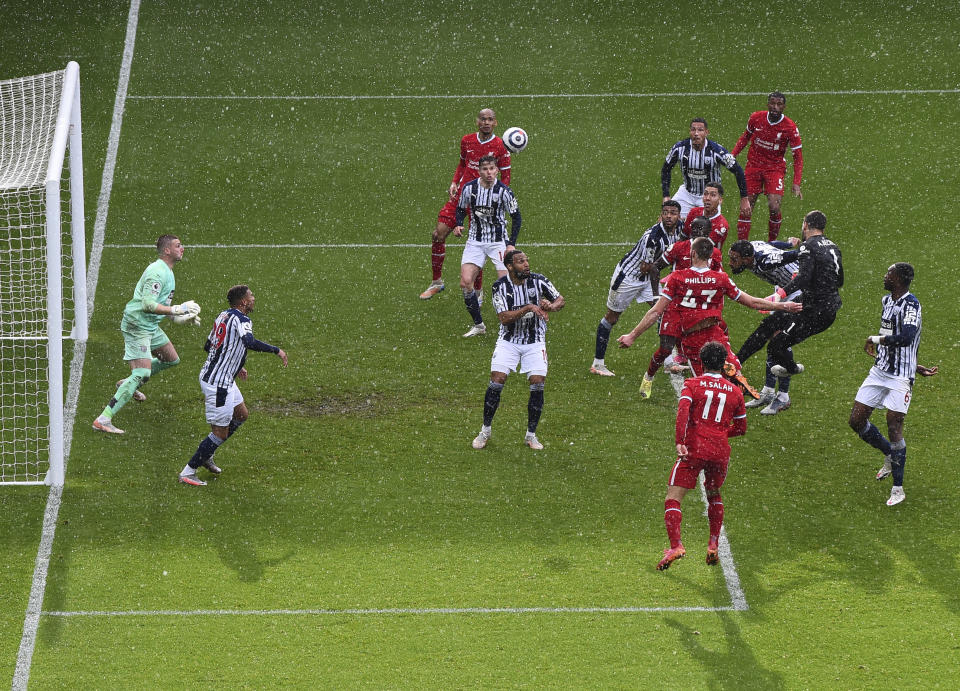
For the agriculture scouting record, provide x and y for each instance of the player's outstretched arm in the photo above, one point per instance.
(627, 339)
(927, 371)
(760, 304)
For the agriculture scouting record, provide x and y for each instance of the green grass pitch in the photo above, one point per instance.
(352, 495)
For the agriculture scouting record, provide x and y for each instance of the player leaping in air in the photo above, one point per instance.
(473, 147)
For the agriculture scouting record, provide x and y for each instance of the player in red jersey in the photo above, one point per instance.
(697, 294)
(711, 410)
(473, 147)
(712, 199)
(770, 133)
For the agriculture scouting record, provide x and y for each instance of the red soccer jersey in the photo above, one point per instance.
(698, 294)
(718, 224)
(710, 410)
(770, 142)
(678, 256)
(472, 150)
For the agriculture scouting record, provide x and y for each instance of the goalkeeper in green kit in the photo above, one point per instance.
(146, 348)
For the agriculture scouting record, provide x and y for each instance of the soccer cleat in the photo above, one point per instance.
(481, 439)
(763, 401)
(532, 441)
(781, 371)
(106, 426)
(736, 376)
(476, 330)
(434, 288)
(886, 470)
(212, 467)
(713, 552)
(776, 405)
(670, 555)
(896, 496)
(138, 395)
(601, 370)
(646, 387)
(192, 480)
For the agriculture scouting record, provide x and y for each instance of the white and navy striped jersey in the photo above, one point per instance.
(700, 167)
(900, 324)
(508, 296)
(488, 212)
(227, 345)
(651, 246)
(773, 264)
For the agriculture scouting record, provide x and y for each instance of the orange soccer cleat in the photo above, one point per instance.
(670, 555)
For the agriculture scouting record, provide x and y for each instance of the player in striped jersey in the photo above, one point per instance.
(635, 278)
(775, 263)
(700, 161)
(523, 301)
(227, 345)
(489, 202)
(890, 381)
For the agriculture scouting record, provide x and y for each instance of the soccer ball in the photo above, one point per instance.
(515, 139)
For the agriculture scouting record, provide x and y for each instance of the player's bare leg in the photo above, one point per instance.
(603, 338)
(438, 252)
(773, 224)
(746, 216)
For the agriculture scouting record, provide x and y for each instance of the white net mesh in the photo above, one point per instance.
(28, 117)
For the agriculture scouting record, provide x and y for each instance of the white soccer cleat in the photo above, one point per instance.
(601, 370)
(106, 426)
(763, 401)
(476, 330)
(781, 371)
(192, 480)
(138, 395)
(776, 405)
(896, 496)
(532, 441)
(480, 441)
(886, 470)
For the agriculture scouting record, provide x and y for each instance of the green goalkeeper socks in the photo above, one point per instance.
(137, 377)
(157, 365)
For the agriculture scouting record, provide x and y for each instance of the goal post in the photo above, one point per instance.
(42, 268)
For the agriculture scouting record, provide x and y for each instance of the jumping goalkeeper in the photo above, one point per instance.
(146, 348)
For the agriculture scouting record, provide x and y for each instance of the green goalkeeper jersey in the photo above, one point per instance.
(155, 287)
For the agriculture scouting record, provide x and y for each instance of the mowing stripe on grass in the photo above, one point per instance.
(438, 97)
(383, 612)
(21, 674)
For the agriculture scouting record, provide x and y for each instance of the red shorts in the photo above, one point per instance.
(670, 323)
(686, 470)
(448, 214)
(760, 181)
(691, 344)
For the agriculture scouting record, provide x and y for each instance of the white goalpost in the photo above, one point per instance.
(43, 287)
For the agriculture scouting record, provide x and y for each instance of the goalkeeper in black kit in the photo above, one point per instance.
(819, 277)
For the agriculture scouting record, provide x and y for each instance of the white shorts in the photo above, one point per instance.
(628, 290)
(880, 389)
(687, 200)
(220, 403)
(528, 359)
(477, 253)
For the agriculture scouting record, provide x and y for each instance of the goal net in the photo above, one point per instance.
(42, 268)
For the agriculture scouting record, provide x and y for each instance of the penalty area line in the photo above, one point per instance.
(382, 612)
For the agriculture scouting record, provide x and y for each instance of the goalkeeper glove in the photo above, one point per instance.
(188, 307)
(188, 318)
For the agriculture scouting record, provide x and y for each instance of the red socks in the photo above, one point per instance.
(773, 226)
(672, 517)
(715, 515)
(438, 252)
(656, 362)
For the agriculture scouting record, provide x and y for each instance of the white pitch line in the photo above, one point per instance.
(31, 622)
(730, 575)
(351, 245)
(382, 612)
(438, 97)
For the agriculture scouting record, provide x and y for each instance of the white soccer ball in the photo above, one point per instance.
(515, 139)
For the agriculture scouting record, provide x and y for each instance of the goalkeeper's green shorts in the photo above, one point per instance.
(139, 344)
